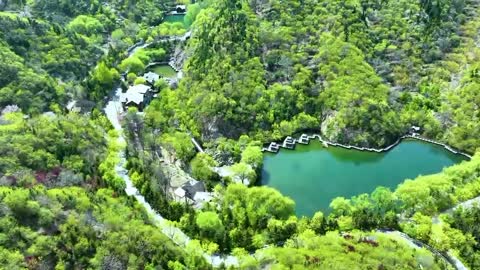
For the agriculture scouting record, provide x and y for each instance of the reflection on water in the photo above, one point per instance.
(354, 156)
(313, 175)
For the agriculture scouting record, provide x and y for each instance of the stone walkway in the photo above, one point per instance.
(289, 143)
(113, 110)
(141, 44)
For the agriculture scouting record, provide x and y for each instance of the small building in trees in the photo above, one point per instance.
(72, 106)
(193, 192)
(201, 198)
(192, 187)
(181, 9)
(189, 189)
(138, 96)
(414, 130)
(151, 77)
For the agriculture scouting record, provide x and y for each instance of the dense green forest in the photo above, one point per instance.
(360, 69)
(358, 72)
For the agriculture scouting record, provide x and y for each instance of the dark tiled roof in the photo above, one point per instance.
(192, 188)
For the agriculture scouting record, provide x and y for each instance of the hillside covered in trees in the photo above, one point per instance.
(246, 73)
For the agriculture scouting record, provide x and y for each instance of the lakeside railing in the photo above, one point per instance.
(290, 143)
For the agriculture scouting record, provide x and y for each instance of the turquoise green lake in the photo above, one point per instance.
(175, 18)
(164, 71)
(313, 175)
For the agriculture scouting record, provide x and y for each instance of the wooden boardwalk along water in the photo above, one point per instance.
(113, 110)
(289, 143)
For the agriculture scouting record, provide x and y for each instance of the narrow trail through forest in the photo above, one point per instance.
(448, 257)
(114, 111)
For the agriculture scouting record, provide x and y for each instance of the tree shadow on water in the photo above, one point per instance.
(354, 156)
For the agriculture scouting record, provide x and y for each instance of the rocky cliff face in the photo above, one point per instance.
(329, 126)
(334, 130)
(173, 169)
(216, 127)
(178, 57)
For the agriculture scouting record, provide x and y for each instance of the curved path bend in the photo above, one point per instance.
(142, 45)
(466, 204)
(113, 110)
(447, 257)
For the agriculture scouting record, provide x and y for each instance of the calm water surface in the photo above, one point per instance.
(313, 175)
(164, 71)
(175, 18)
